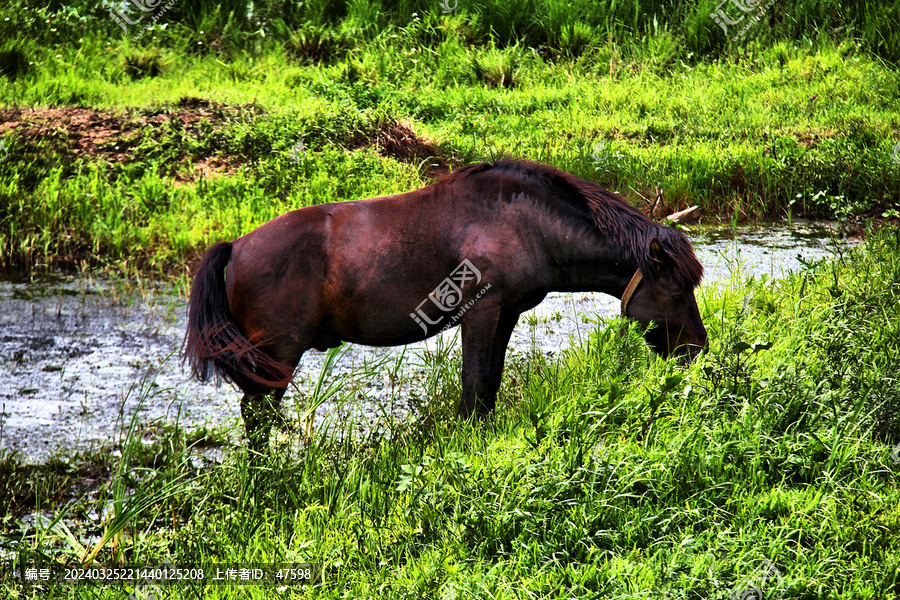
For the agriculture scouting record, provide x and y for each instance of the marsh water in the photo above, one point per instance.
(79, 362)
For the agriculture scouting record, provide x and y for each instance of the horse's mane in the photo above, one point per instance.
(625, 227)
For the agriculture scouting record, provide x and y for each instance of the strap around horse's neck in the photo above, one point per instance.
(629, 291)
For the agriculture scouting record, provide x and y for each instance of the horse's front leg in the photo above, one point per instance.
(479, 326)
(505, 327)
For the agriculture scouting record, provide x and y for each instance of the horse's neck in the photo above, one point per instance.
(585, 260)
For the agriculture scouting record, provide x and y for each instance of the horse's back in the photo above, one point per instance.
(358, 269)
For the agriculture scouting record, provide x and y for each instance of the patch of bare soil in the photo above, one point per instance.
(398, 140)
(813, 139)
(87, 133)
(110, 135)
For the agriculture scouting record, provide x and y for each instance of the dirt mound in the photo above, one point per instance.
(401, 142)
(89, 133)
(81, 133)
(111, 135)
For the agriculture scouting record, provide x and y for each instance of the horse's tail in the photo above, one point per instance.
(213, 345)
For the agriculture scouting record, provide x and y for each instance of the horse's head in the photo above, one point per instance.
(668, 302)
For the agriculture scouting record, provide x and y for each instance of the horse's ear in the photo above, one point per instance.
(657, 254)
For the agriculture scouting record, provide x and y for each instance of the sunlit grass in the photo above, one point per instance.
(765, 131)
(606, 471)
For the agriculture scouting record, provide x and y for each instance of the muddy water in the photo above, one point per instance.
(78, 362)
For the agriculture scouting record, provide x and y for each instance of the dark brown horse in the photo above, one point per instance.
(477, 248)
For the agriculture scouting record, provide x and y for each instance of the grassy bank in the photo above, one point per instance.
(148, 149)
(606, 473)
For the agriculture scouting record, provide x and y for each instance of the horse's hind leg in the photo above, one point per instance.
(259, 411)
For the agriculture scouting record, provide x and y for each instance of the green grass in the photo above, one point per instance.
(606, 473)
(779, 125)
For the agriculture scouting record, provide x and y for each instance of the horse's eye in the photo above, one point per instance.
(677, 298)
